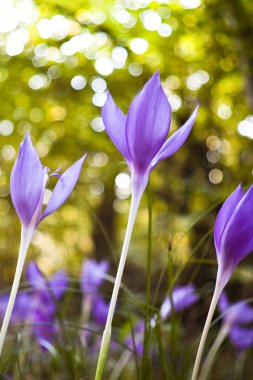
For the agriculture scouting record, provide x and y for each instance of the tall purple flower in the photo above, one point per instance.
(233, 238)
(140, 136)
(233, 232)
(28, 182)
(27, 187)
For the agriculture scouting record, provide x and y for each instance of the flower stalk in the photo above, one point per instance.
(216, 295)
(212, 352)
(26, 236)
(136, 196)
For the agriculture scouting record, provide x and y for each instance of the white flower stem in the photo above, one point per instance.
(108, 326)
(213, 351)
(26, 236)
(216, 295)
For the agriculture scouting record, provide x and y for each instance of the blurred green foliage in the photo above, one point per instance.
(58, 59)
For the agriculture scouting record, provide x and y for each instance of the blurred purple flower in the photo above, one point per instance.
(28, 182)
(182, 297)
(236, 320)
(233, 232)
(100, 310)
(140, 136)
(21, 308)
(43, 303)
(93, 275)
(233, 238)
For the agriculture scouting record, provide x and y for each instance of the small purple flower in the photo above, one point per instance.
(21, 308)
(28, 182)
(93, 274)
(182, 297)
(140, 135)
(43, 303)
(233, 232)
(99, 310)
(236, 320)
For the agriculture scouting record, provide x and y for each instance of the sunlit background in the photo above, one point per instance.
(59, 59)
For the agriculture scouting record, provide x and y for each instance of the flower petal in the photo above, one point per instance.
(241, 338)
(100, 310)
(237, 238)
(182, 296)
(147, 123)
(58, 284)
(115, 124)
(35, 277)
(93, 275)
(26, 182)
(64, 187)
(225, 214)
(176, 140)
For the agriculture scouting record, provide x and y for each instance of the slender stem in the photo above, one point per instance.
(107, 331)
(26, 236)
(212, 352)
(216, 295)
(148, 283)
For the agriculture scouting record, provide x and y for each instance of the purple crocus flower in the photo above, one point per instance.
(233, 238)
(28, 182)
(140, 136)
(233, 232)
(236, 320)
(182, 297)
(43, 304)
(27, 187)
(92, 276)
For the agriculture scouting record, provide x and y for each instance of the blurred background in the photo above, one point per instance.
(58, 58)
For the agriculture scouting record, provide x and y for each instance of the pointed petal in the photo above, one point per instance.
(26, 182)
(241, 338)
(35, 277)
(58, 283)
(148, 123)
(225, 214)
(93, 275)
(64, 187)
(182, 296)
(115, 125)
(100, 310)
(176, 140)
(237, 238)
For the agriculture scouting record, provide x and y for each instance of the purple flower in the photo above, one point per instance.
(140, 135)
(236, 320)
(233, 232)
(93, 275)
(43, 303)
(100, 310)
(182, 297)
(21, 308)
(28, 182)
